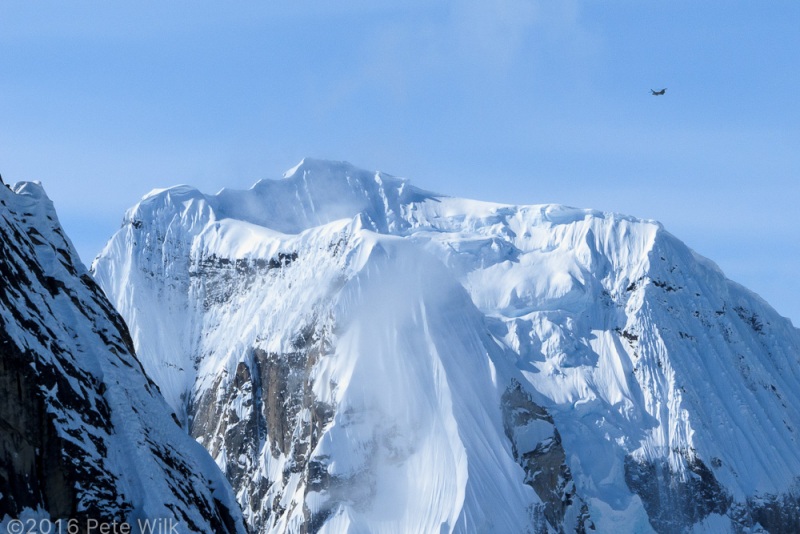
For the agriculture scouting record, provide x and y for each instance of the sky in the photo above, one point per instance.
(515, 101)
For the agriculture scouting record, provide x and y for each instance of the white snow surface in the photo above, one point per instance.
(431, 307)
(154, 468)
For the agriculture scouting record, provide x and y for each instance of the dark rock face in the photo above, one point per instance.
(776, 513)
(224, 276)
(268, 408)
(28, 477)
(674, 502)
(36, 467)
(773, 513)
(544, 461)
(84, 434)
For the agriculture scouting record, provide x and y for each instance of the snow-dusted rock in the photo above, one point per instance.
(84, 433)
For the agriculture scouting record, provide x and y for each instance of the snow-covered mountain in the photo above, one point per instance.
(84, 434)
(360, 355)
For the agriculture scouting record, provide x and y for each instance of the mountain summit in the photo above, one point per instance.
(361, 355)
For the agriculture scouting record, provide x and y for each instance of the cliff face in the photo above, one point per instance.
(83, 432)
(356, 353)
(33, 468)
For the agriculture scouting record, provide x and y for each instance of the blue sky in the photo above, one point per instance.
(513, 101)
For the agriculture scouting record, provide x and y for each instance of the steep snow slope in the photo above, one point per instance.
(340, 340)
(83, 432)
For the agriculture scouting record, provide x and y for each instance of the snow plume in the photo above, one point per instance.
(415, 401)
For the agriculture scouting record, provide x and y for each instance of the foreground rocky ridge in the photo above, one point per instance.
(356, 353)
(84, 434)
